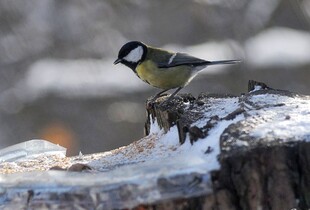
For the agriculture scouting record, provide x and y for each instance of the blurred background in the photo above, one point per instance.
(57, 80)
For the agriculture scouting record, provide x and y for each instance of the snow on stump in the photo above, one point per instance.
(214, 152)
(263, 136)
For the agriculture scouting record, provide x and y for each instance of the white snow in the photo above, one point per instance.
(287, 122)
(220, 107)
(256, 88)
(154, 127)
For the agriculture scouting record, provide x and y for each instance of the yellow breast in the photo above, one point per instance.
(164, 78)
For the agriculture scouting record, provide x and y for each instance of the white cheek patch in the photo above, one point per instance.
(135, 55)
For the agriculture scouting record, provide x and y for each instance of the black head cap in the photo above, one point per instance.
(131, 54)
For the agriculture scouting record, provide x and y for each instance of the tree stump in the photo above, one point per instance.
(211, 152)
(263, 172)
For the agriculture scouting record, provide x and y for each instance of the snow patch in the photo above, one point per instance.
(220, 107)
(154, 127)
(256, 88)
(284, 121)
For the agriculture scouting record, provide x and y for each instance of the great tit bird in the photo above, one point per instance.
(163, 69)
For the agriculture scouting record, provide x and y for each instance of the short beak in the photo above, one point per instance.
(117, 61)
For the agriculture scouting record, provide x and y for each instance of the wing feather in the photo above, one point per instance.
(178, 59)
(167, 59)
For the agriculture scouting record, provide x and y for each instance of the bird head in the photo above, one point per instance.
(131, 54)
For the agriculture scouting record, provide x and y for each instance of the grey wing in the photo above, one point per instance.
(178, 59)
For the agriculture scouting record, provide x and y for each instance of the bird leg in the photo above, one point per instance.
(170, 97)
(158, 95)
(173, 94)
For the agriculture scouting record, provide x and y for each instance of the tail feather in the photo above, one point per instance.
(224, 62)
